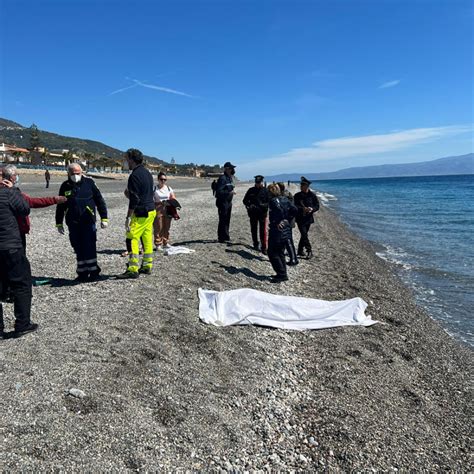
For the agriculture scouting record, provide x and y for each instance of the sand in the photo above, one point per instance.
(159, 390)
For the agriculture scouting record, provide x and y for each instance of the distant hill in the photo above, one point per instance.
(15, 134)
(450, 165)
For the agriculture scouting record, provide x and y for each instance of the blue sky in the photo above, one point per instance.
(274, 86)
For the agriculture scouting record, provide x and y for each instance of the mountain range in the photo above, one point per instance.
(13, 133)
(463, 164)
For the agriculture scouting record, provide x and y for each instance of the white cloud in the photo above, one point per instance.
(303, 159)
(388, 84)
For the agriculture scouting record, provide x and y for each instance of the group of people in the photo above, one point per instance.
(149, 213)
(80, 205)
(275, 204)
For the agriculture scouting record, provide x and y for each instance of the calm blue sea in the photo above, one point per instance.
(425, 225)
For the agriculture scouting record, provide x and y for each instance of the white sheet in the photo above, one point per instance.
(246, 306)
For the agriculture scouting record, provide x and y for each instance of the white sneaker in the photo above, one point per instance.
(159, 248)
(167, 246)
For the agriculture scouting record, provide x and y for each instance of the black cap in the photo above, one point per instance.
(228, 164)
(305, 181)
(259, 178)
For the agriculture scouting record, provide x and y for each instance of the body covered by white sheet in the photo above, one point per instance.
(246, 306)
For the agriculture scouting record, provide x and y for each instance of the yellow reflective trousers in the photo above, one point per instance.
(141, 228)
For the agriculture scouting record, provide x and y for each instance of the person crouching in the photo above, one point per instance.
(281, 211)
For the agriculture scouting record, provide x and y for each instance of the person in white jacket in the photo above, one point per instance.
(163, 193)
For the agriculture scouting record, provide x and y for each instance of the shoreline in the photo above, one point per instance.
(164, 391)
(394, 267)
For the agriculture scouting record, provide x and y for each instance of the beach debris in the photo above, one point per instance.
(76, 393)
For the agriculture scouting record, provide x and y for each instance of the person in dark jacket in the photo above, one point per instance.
(15, 271)
(281, 211)
(47, 177)
(290, 245)
(256, 201)
(307, 203)
(224, 195)
(10, 179)
(140, 216)
(79, 211)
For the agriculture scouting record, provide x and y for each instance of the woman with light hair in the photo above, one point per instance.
(281, 211)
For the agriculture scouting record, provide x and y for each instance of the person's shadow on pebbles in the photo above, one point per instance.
(198, 241)
(60, 282)
(110, 252)
(245, 271)
(246, 255)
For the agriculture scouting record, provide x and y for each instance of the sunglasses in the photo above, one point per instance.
(163, 179)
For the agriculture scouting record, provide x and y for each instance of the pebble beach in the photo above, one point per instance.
(123, 376)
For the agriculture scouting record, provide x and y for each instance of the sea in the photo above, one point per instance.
(425, 226)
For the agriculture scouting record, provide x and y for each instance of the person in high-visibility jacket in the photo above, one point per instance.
(83, 196)
(140, 216)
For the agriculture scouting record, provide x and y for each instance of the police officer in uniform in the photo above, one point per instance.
(307, 203)
(256, 201)
(140, 216)
(290, 244)
(224, 195)
(280, 215)
(83, 197)
(15, 272)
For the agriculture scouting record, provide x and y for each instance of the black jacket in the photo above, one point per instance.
(256, 201)
(224, 190)
(140, 192)
(12, 205)
(281, 212)
(82, 199)
(302, 200)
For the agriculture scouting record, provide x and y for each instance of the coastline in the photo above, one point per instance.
(164, 391)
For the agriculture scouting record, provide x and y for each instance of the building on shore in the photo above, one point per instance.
(13, 154)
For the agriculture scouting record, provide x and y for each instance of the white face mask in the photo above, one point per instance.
(75, 178)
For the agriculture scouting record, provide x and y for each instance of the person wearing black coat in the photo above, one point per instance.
(307, 203)
(224, 195)
(256, 201)
(79, 211)
(15, 271)
(281, 211)
(290, 245)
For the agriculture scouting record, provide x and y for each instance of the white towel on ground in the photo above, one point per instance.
(177, 250)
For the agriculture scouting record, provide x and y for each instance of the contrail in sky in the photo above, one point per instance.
(151, 86)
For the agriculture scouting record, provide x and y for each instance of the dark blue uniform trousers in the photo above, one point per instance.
(83, 238)
(225, 210)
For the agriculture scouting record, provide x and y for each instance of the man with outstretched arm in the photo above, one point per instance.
(10, 178)
(15, 271)
(140, 215)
